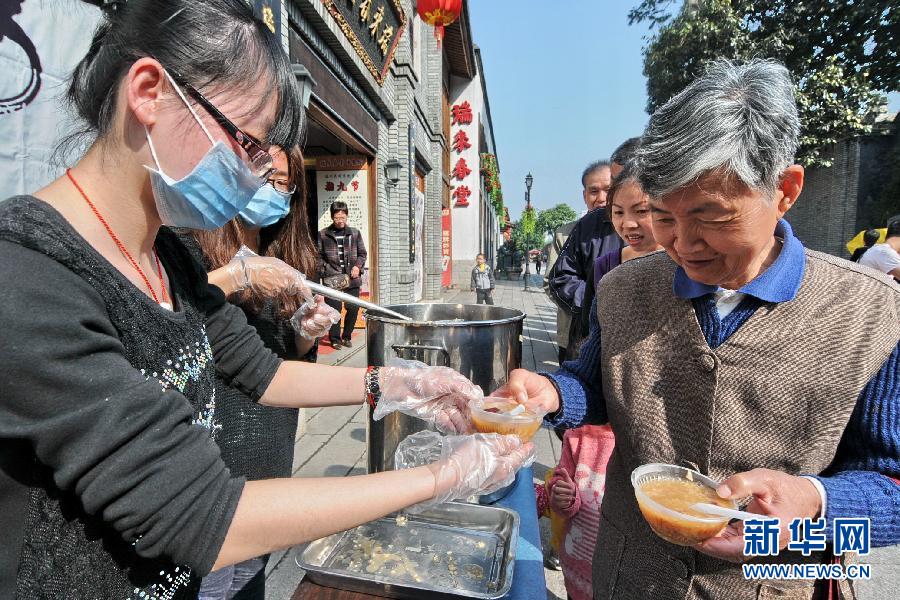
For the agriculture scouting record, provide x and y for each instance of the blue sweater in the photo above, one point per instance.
(863, 479)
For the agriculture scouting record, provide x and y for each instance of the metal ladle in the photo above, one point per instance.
(334, 294)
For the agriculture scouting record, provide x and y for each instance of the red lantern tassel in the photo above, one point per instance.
(439, 34)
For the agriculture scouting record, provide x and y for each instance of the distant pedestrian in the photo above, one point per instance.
(537, 264)
(870, 237)
(885, 257)
(483, 281)
(342, 258)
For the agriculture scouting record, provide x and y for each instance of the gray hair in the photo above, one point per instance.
(625, 152)
(737, 118)
(589, 170)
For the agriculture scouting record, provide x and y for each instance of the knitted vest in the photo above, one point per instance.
(777, 394)
(67, 553)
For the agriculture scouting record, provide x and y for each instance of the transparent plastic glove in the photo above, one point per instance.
(314, 319)
(438, 395)
(463, 465)
(266, 275)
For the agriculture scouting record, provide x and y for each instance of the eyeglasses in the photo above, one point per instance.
(282, 185)
(260, 159)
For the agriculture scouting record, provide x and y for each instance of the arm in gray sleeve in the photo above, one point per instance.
(242, 359)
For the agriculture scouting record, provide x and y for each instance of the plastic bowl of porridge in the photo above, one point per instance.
(665, 494)
(496, 414)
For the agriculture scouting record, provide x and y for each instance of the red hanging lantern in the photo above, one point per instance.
(439, 14)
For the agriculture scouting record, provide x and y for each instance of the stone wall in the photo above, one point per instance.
(840, 201)
(824, 217)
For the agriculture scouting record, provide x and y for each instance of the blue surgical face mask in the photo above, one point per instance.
(213, 193)
(267, 207)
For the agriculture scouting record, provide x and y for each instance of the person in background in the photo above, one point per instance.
(592, 236)
(702, 351)
(257, 441)
(595, 181)
(870, 238)
(622, 156)
(629, 210)
(111, 482)
(342, 258)
(563, 319)
(482, 281)
(885, 257)
(537, 263)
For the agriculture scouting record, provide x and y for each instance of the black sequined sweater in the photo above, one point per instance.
(257, 441)
(111, 484)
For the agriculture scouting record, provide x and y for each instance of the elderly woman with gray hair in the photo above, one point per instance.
(737, 351)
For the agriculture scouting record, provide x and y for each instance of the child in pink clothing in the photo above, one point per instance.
(576, 491)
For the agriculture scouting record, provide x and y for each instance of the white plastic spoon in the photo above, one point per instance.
(518, 410)
(721, 511)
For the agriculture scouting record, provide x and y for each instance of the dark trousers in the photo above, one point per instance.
(484, 297)
(349, 320)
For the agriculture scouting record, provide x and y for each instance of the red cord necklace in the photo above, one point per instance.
(124, 251)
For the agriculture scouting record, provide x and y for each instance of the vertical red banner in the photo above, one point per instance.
(446, 248)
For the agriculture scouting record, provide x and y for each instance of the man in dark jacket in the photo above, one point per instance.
(342, 258)
(592, 236)
(621, 156)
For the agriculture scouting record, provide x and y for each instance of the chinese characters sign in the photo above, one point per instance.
(461, 117)
(761, 536)
(373, 27)
(807, 536)
(344, 178)
(269, 12)
(446, 248)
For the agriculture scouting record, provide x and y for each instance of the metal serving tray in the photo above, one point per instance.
(455, 550)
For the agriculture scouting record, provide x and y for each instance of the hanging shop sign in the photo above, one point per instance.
(411, 169)
(461, 119)
(373, 27)
(269, 12)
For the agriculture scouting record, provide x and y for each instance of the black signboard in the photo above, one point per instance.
(269, 12)
(373, 27)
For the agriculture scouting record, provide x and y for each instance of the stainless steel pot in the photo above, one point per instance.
(482, 342)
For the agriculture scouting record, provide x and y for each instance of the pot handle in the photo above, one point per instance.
(421, 353)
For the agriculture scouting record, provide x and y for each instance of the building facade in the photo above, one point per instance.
(476, 220)
(377, 133)
(380, 116)
(841, 200)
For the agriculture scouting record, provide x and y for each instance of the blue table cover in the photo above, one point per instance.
(528, 574)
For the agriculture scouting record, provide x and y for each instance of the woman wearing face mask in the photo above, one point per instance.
(111, 484)
(257, 441)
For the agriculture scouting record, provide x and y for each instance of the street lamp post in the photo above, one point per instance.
(528, 181)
